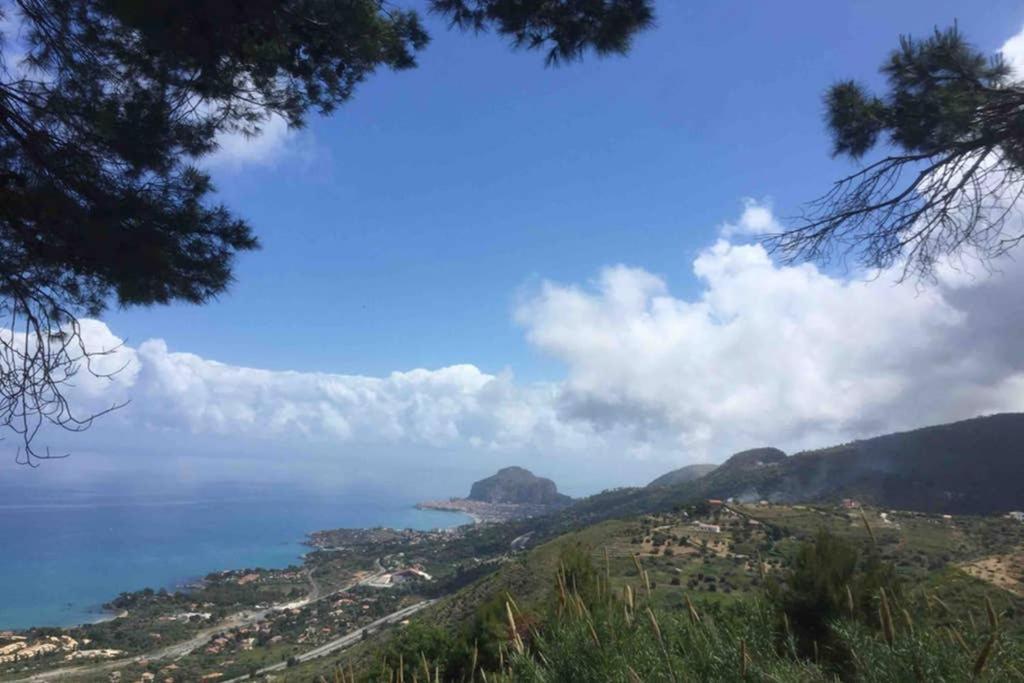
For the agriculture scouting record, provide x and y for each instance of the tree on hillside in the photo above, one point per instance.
(951, 171)
(829, 579)
(105, 107)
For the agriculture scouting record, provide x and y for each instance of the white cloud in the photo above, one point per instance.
(1013, 53)
(761, 354)
(274, 141)
(757, 219)
(456, 405)
(768, 354)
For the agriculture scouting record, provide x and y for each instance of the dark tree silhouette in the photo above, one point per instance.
(109, 104)
(952, 128)
(566, 28)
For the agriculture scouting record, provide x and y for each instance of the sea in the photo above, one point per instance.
(63, 557)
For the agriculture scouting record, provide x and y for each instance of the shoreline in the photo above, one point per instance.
(482, 512)
(100, 614)
(438, 506)
(111, 616)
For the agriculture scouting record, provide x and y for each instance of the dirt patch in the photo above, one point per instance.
(1003, 571)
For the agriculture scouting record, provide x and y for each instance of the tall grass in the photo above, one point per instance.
(593, 634)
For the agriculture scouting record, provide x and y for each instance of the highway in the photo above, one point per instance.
(180, 649)
(344, 641)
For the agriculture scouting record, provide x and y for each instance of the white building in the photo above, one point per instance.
(410, 574)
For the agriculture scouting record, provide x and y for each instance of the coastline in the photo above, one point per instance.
(451, 507)
(482, 512)
(110, 616)
(47, 613)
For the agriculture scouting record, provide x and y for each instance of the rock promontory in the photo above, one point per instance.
(517, 486)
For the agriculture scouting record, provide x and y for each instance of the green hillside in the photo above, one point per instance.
(683, 475)
(970, 467)
(664, 563)
(945, 569)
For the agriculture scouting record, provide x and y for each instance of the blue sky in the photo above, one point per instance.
(398, 232)
(484, 262)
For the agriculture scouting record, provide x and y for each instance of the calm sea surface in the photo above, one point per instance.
(60, 560)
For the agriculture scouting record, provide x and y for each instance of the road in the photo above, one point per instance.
(178, 650)
(344, 641)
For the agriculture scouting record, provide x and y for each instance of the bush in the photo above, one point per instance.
(829, 581)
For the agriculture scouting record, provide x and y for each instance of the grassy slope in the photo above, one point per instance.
(927, 550)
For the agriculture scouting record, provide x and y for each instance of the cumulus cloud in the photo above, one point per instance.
(760, 354)
(457, 405)
(1013, 53)
(784, 355)
(757, 219)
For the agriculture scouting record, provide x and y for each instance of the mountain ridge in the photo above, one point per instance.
(683, 475)
(970, 466)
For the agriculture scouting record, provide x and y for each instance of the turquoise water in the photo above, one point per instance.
(60, 560)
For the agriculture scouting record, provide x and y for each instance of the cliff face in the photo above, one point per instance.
(519, 486)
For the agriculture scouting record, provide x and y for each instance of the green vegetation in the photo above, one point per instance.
(683, 475)
(798, 588)
(803, 583)
(967, 467)
(806, 627)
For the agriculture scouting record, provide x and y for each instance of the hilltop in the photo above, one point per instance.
(973, 466)
(517, 486)
(683, 475)
(511, 493)
(970, 467)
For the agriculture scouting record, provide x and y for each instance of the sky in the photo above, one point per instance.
(484, 261)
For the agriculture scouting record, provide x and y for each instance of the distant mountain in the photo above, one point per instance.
(971, 467)
(754, 459)
(519, 486)
(682, 475)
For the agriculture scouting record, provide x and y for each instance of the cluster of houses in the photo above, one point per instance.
(243, 638)
(18, 648)
(1016, 515)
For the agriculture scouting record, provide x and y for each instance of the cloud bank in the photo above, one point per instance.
(763, 354)
(458, 405)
